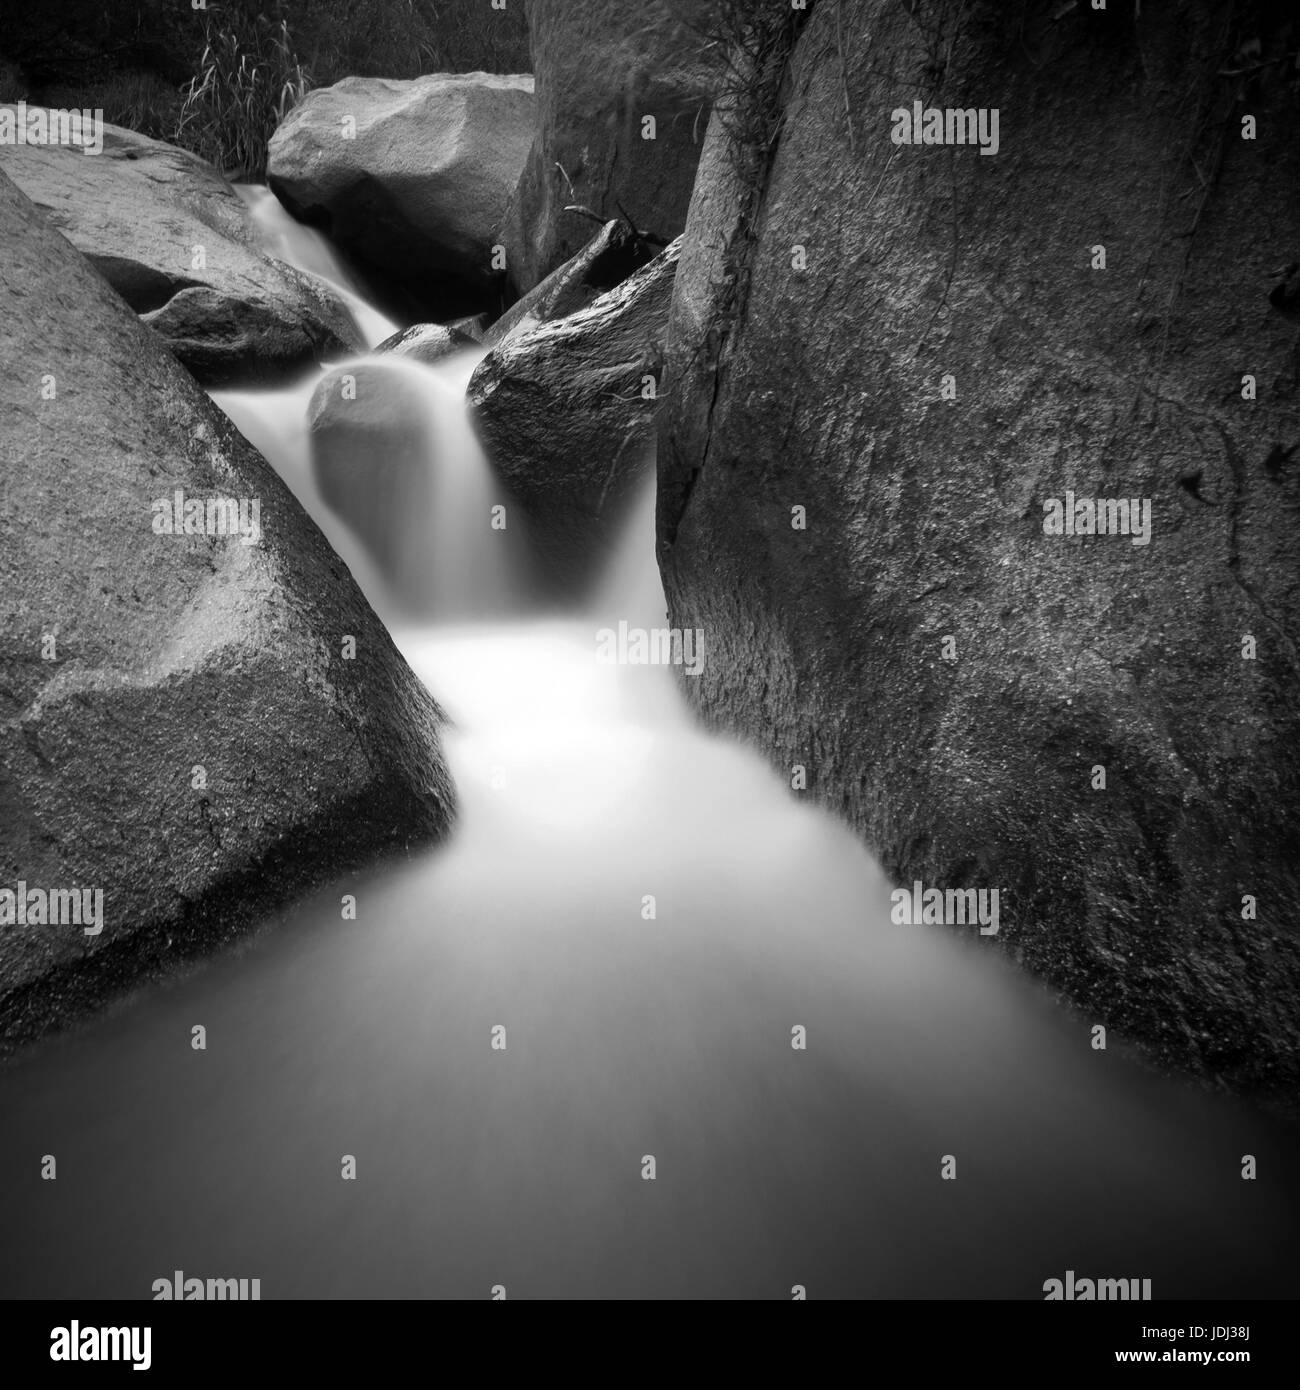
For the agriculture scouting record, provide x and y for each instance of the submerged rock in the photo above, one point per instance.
(174, 240)
(894, 372)
(412, 177)
(566, 415)
(372, 454)
(201, 715)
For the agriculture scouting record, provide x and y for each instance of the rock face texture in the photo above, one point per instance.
(602, 68)
(427, 342)
(890, 367)
(174, 239)
(413, 177)
(614, 253)
(566, 416)
(183, 729)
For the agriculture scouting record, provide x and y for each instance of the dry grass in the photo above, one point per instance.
(405, 38)
(217, 81)
(249, 78)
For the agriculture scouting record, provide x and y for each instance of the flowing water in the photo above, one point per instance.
(308, 249)
(650, 915)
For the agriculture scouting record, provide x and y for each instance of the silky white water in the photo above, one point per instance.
(644, 920)
(308, 249)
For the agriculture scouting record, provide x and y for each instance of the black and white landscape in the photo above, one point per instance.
(650, 650)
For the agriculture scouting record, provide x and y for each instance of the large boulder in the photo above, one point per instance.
(195, 725)
(413, 177)
(566, 415)
(892, 365)
(602, 68)
(173, 238)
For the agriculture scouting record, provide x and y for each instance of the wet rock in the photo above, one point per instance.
(427, 342)
(412, 177)
(892, 369)
(372, 453)
(566, 415)
(174, 240)
(614, 253)
(197, 723)
(604, 69)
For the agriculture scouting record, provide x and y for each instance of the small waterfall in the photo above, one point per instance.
(307, 249)
(477, 568)
(638, 944)
(407, 497)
